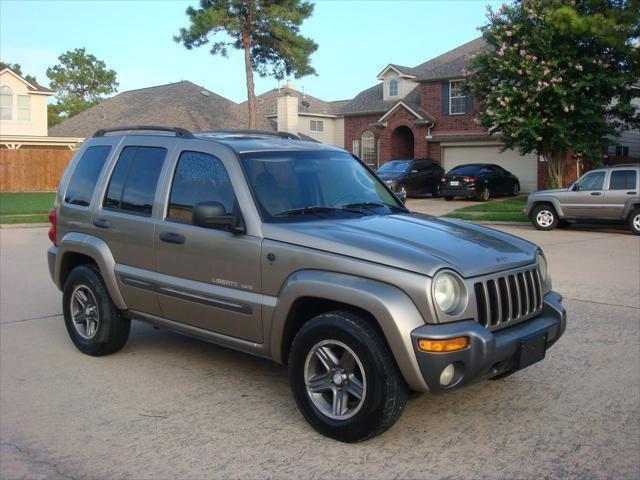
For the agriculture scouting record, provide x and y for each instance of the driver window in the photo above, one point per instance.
(199, 177)
(592, 181)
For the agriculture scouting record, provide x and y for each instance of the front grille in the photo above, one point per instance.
(509, 298)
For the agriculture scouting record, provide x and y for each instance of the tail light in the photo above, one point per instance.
(53, 230)
(469, 179)
(443, 179)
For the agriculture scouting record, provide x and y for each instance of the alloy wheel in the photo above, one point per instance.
(84, 312)
(335, 379)
(545, 218)
(636, 222)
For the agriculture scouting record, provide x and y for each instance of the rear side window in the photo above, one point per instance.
(465, 170)
(84, 178)
(199, 177)
(133, 183)
(622, 180)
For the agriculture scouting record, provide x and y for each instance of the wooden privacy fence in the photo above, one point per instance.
(32, 170)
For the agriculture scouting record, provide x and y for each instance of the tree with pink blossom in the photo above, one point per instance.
(568, 71)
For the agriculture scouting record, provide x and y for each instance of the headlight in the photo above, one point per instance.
(449, 293)
(544, 270)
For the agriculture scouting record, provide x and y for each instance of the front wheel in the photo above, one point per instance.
(634, 221)
(544, 217)
(402, 190)
(435, 193)
(448, 198)
(344, 379)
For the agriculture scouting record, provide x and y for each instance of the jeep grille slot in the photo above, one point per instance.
(509, 298)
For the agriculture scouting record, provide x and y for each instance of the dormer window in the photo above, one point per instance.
(6, 103)
(393, 88)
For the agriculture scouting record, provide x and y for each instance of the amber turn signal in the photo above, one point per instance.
(446, 345)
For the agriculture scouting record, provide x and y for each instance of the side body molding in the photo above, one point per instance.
(394, 311)
(98, 250)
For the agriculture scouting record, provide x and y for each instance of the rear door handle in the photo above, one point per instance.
(101, 223)
(596, 193)
(171, 237)
(632, 193)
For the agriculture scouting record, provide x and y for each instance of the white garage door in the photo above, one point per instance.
(524, 167)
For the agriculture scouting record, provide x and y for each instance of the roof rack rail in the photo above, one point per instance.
(180, 132)
(623, 165)
(248, 132)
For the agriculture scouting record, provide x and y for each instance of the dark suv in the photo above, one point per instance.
(412, 177)
(296, 252)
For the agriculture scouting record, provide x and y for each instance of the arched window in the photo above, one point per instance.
(6, 103)
(393, 88)
(368, 148)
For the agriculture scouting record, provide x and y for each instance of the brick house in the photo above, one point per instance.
(423, 112)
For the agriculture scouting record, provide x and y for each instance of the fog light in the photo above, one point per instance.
(446, 377)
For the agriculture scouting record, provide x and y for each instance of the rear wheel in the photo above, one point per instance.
(515, 190)
(91, 318)
(634, 221)
(344, 379)
(544, 217)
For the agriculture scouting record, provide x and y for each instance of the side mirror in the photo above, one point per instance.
(414, 170)
(214, 215)
(575, 187)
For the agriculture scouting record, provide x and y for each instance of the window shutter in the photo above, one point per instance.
(468, 103)
(445, 98)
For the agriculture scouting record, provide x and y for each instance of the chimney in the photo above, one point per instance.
(287, 109)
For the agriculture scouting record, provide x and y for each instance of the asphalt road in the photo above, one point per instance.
(168, 406)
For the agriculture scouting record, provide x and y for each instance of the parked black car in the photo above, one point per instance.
(412, 177)
(478, 180)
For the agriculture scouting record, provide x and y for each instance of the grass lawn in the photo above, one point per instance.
(508, 210)
(27, 207)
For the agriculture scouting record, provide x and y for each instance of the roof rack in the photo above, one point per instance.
(246, 132)
(180, 132)
(613, 165)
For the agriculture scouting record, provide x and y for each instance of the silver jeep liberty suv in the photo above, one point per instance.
(293, 251)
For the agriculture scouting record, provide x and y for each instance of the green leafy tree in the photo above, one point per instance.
(80, 81)
(266, 30)
(560, 76)
(17, 69)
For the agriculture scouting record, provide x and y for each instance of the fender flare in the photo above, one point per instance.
(99, 251)
(544, 199)
(629, 205)
(395, 313)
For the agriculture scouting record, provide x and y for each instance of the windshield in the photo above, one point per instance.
(292, 186)
(464, 170)
(394, 167)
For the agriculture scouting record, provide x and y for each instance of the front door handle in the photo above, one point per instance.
(596, 193)
(171, 237)
(101, 223)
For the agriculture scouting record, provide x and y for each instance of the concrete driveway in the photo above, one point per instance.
(168, 406)
(437, 206)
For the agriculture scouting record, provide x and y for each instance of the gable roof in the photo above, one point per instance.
(182, 104)
(447, 65)
(400, 69)
(450, 64)
(32, 86)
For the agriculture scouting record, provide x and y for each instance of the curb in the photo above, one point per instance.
(23, 225)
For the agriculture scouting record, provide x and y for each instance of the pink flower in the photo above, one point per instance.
(579, 67)
(546, 71)
(509, 33)
(565, 108)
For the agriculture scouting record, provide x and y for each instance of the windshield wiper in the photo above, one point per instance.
(374, 205)
(316, 210)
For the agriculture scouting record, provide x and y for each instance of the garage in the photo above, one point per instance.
(524, 167)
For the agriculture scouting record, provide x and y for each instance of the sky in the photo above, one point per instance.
(356, 39)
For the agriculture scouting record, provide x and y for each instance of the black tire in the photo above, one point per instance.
(447, 198)
(484, 194)
(400, 188)
(544, 217)
(385, 391)
(515, 190)
(634, 221)
(435, 193)
(112, 330)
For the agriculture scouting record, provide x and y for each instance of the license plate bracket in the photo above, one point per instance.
(532, 350)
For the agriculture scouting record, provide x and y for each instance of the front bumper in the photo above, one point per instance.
(489, 354)
(464, 191)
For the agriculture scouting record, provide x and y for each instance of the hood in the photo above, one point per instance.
(412, 241)
(391, 175)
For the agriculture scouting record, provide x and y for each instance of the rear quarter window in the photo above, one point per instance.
(84, 177)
